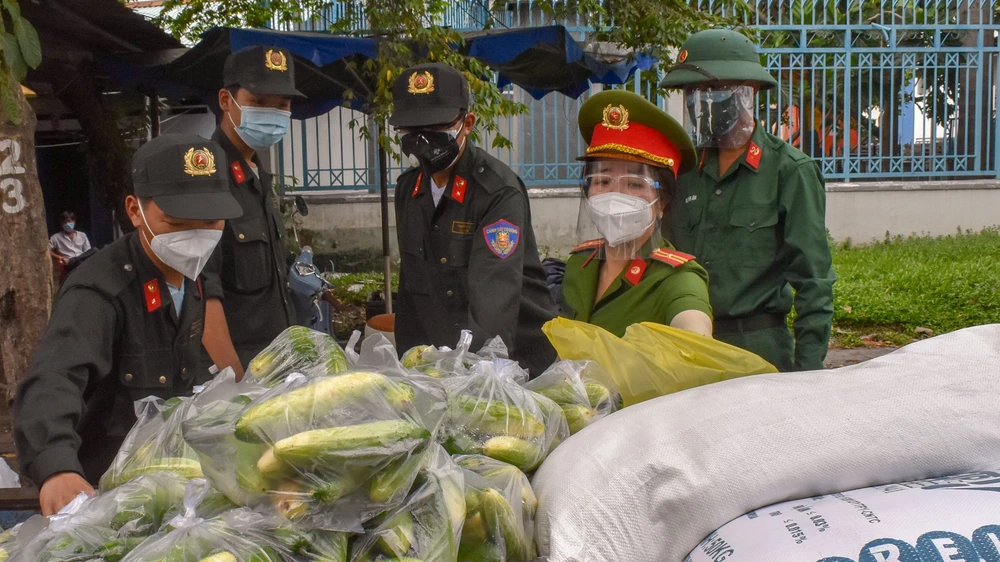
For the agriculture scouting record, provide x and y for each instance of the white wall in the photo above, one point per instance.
(938, 208)
(861, 212)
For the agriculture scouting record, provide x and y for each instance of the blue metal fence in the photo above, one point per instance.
(876, 89)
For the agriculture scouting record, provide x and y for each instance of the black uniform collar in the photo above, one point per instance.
(458, 183)
(239, 168)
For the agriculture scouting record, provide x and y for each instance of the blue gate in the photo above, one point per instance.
(871, 89)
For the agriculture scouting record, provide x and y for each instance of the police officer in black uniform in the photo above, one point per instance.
(248, 277)
(127, 324)
(467, 249)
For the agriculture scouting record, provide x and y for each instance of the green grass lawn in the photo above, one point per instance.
(891, 288)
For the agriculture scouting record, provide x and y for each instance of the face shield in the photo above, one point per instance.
(620, 205)
(719, 116)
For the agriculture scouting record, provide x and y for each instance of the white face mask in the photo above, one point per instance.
(186, 251)
(620, 218)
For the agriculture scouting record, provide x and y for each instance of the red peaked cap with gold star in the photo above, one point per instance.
(623, 125)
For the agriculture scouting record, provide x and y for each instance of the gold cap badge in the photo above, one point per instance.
(199, 162)
(275, 60)
(616, 117)
(683, 56)
(421, 83)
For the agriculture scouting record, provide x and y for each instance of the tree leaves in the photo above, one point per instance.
(27, 39)
(13, 57)
(21, 49)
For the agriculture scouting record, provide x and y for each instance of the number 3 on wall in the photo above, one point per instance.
(11, 189)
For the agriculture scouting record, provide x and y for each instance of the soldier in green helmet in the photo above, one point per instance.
(753, 209)
(625, 272)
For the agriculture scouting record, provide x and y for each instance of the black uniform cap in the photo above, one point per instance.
(185, 175)
(427, 95)
(264, 71)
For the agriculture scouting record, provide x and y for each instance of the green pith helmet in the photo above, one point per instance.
(717, 55)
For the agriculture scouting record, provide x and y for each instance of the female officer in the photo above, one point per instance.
(627, 273)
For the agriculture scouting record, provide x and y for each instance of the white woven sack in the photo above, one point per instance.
(948, 519)
(649, 483)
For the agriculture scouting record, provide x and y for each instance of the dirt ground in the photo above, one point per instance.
(839, 357)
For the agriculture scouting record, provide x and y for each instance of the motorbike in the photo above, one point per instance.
(309, 289)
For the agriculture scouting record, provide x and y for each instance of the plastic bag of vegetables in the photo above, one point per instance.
(154, 443)
(297, 350)
(490, 413)
(428, 525)
(441, 362)
(239, 535)
(105, 527)
(328, 452)
(500, 511)
(574, 386)
(314, 545)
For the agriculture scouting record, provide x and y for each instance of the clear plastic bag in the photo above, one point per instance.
(327, 452)
(653, 360)
(439, 362)
(428, 525)
(576, 387)
(297, 350)
(107, 526)
(490, 413)
(500, 511)
(239, 535)
(314, 545)
(154, 443)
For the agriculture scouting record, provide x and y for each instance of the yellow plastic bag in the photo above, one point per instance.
(651, 359)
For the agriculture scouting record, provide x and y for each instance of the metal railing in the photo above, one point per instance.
(872, 90)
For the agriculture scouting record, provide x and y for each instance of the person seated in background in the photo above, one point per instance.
(69, 242)
(626, 273)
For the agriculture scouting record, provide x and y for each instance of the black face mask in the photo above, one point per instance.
(435, 150)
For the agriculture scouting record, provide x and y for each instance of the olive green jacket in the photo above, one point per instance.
(760, 231)
(653, 289)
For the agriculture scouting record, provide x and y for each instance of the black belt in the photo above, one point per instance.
(750, 323)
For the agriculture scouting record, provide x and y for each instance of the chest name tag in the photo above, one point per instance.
(459, 227)
(502, 238)
(196, 329)
(691, 198)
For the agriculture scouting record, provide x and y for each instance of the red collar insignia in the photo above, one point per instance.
(237, 171)
(753, 156)
(636, 269)
(151, 290)
(458, 189)
(420, 181)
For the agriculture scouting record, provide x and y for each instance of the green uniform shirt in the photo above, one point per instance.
(760, 231)
(647, 290)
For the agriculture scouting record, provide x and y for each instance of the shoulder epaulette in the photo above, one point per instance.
(589, 245)
(671, 257)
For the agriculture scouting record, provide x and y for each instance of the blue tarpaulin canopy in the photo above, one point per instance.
(548, 59)
(538, 59)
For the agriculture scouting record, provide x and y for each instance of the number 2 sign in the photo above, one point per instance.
(11, 188)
